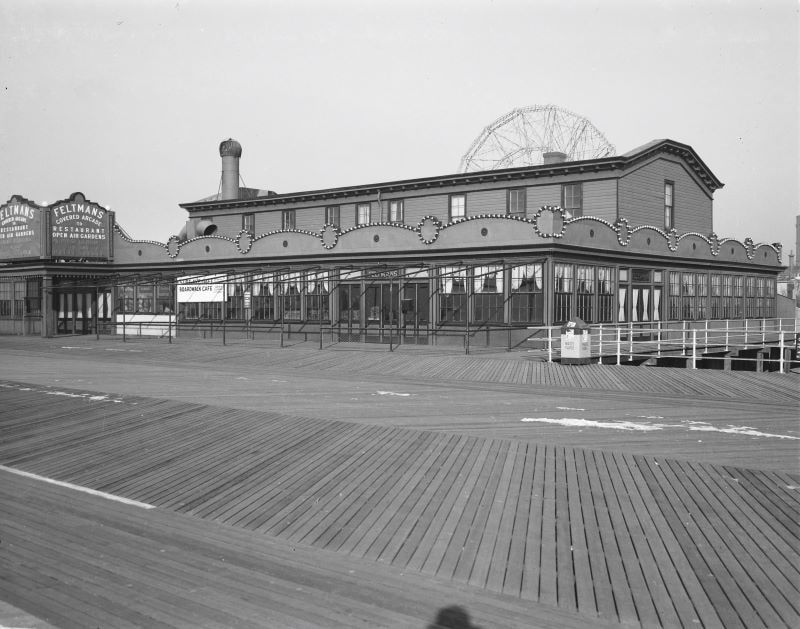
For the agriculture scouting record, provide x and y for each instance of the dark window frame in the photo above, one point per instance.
(568, 200)
(249, 222)
(333, 215)
(359, 207)
(513, 208)
(450, 216)
(396, 215)
(669, 204)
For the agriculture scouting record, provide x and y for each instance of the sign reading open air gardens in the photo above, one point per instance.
(79, 229)
(20, 230)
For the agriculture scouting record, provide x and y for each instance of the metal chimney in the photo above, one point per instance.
(230, 151)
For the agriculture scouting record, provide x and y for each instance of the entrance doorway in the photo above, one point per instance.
(384, 312)
(79, 311)
(381, 310)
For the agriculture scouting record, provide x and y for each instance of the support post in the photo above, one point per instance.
(619, 346)
(600, 344)
(694, 349)
(780, 360)
(727, 334)
(549, 344)
(658, 341)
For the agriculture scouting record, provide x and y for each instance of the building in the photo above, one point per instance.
(627, 240)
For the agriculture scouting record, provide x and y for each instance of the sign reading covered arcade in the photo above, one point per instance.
(80, 229)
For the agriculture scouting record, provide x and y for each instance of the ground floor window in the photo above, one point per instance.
(453, 294)
(488, 300)
(527, 293)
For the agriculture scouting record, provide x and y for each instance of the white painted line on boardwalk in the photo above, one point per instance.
(86, 490)
(392, 393)
(75, 347)
(84, 396)
(747, 431)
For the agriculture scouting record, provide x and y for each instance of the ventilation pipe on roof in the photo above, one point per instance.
(230, 151)
(554, 157)
(195, 229)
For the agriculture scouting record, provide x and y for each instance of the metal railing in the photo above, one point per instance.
(705, 340)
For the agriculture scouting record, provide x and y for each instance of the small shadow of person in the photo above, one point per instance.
(453, 617)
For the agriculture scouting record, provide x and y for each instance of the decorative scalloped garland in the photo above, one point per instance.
(553, 209)
(619, 224)
(437, 226)
(173, 242)
(239, 237)
(749, 248)
(381, 224)
(329, 228)
(122, 234)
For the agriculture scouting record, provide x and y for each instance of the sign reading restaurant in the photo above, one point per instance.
(79, 229)
(20, 229)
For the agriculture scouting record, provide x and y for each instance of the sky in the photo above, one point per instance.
(128, 100)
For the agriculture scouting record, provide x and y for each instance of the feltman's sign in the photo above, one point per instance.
(20, 229)
(79, 229)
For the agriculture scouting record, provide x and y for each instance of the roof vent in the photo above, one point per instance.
(554, 157)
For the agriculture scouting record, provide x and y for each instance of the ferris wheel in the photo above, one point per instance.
(522, 136)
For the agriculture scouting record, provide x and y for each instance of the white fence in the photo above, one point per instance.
(694, 340)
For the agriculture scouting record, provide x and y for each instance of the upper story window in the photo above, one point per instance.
(572, 198)
(363, 213)
(458, 207)
(249, 223)
(517, 201)
(669, 204)
(396, 211)
(332, 215)
(288, 219)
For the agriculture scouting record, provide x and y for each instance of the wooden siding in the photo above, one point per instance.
(600, 199)
(436, 205)
(543, 195)
(641, 197)
(486, 202)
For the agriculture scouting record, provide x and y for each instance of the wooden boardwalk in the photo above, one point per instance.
(530, 533)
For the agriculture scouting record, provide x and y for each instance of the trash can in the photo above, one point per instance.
(576, 343)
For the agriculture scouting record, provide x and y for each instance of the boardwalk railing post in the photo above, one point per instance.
(763, 331)
(600, 345)
(630, 338)
(694, 349)
(683, 338)
(727, 334)
(745, 332)
(549, 345)
(706, 341)
(780, 360)
(619, 346)
(658, 341)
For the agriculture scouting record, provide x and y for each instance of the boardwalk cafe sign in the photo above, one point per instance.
(20, 229)
(200, 290)
(79, 229)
